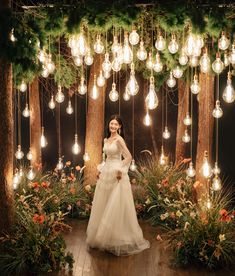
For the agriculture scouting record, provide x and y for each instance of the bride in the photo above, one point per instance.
(113, 224)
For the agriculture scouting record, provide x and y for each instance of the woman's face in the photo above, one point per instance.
(114, 126)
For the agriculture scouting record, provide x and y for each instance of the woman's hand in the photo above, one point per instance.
(119, 175)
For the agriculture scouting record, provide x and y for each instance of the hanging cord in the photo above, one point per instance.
(162, 116)
(19, 118)
(119, 99)
(133, 126)
(166, 104)
(217, 122)
(59, 138)
(191, 108)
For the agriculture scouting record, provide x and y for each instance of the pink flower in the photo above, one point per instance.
(159, 238)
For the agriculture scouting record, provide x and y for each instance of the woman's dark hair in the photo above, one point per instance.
(119, 120)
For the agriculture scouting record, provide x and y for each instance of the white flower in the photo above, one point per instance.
(87, 188)
(148, 201)
(178, 214)
(222, 237)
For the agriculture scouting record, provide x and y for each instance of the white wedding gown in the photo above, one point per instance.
(113, 224)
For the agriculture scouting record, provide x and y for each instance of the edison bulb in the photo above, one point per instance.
(151, 99)
(26, 111)
(29, 155)
(173, 45)
(217, 65)
(113, 95)
(23, 86)
(190, 171)
(206, 170)
(133, 166)
(217, 111)
(60, 164)
(160, 43)
(134, 38)
(116, 65)
(223, 42)
(132, 85)
(82, 88)
(216, 169)
(45, 72)
(141, 53)
(101, 79)
(86, 157)
(16, 180)
(216, 183)
(187, 119)
(51, 103)
(186, 137)
(205, 63)
(162, 159)
(183, 59)
(127, 52)
(78, 60)
(147, 120)
(59, 97)
(126, 96)
(171, 82)
(43, 140)
(193, 61)
(50, 66)
(177, 72)
(157, 66)
(69, 108)
(19, 153)
(107, 74)
(229, 94)
(88, 58)
(232, 55)
(106, 65)
(12, 36)
(76, 149)
(115, 46)
(149, 63)
(195, 86)
(226, 60)
(94, 94)
(166, 133)
(31, 174)
(98, 46)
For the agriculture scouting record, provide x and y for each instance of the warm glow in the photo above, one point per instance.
(76, 149)
(113, 94)
(151, 99)
(94, 93)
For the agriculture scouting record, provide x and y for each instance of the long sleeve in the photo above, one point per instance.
(101, 165)
(126, 155)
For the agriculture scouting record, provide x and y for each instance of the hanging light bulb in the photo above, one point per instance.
(216, 169)
(141, 53)
(12, 36)
(98, 46)
(173, 45)
(94, 94)
(60, 164)
(162, 159)
(149, 63)
(116, 65)
(160, 43)
(43, 140)
(217, 111)
(193, 61)
(232, 54)
(205, 62)
(151, 99)
(75, 53)
(45, 72)
(226, 60)
(126, 95)
(86, 157)
(208, 203)
(132, 85)
(76, 149)
(82, 88)
(206, 170)
(88, 57)
(133, 166)
(134, 37)
(177, 72)
(50, 64)
(29, 155)
(115, 46)
(217, 65)
(171, 82)
(16, 180)
(229, 94)
(81, 44)
(107, 74)
(223, 42)
(113, 95)
(157, 67)
(26, 111)
(19, 153)
(216, 183)
(166, 133)
(69, 108)
(23, 86)
(101, 79)
(59, 97)
(187, 119)
(147, 119)
(51, 103)
(193, 45)
(195, 86)
(186, 138)
(31, 174)
(106, 65)
(78, 60)
(42, 56)
(183, 59)
(191, 171)
(190, 44)
(127, 52)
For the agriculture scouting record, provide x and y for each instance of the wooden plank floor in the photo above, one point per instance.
(151, 262)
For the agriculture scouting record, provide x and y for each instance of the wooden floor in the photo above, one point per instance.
(151, 262)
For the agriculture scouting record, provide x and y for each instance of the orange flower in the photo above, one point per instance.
(38, 218)
(223, 212)
(35, 218)
(165, 182)
(45, 184)
(78, 168)
(72, 190)
(35, 185)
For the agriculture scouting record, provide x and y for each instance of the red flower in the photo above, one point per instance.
(165, 182)
(38, 218)
(223, 212)
(72, 190)
(225, 217)
(45, 184)
(35, 185)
